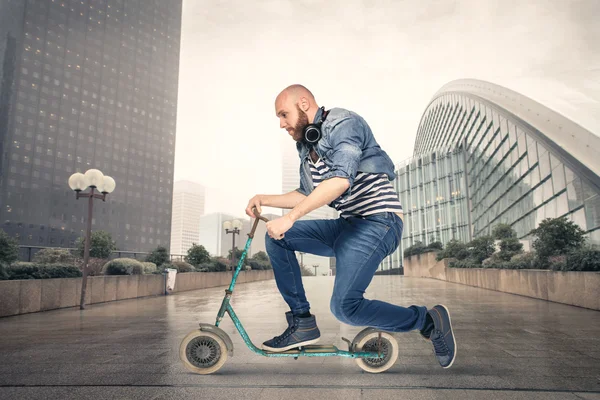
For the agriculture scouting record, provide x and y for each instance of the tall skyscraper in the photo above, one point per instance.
(189, 199)
(88, 84)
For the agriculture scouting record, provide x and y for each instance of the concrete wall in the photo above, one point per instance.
(580, 289)
(33, 295)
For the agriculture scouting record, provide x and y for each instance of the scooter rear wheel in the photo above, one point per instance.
(368, 340)
(203, 352)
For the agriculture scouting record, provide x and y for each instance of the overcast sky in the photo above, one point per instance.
(382, 59)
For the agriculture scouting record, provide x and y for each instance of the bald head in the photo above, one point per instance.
(296, 92)
(295, 106)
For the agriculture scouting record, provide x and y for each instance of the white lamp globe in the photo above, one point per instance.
(237, 224)
(227, 225)
(77, 182)
(109, 184)
(94, 178)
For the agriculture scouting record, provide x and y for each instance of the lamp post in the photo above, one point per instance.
(232, 227)
(103, 185)
(301, 259)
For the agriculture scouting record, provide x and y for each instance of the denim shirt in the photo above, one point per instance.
(347, 145)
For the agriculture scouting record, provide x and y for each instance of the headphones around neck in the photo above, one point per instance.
(312, 132)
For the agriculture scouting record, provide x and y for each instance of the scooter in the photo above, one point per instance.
(205, 350)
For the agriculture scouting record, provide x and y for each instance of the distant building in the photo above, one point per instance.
(486, 155)
(189, 199)
(88, 84)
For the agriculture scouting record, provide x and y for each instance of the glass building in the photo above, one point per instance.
(486, 155)
(88, 84)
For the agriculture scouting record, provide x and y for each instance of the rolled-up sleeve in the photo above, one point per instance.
(346, 139)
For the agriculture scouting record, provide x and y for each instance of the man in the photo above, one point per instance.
(341, 166)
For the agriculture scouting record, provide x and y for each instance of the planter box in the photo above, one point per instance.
(33, 295)
(580, 289)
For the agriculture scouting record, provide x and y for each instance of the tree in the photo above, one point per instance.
(305, 271)
(503, 231)
(481, 248)
(100, 247)
(197, 254)
(509, 247)
(509, 244)
(9, 248)
(238, 255)
(159, 256)
(261, 256)
(557, 236)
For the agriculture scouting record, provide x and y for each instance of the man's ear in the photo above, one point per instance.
(304, 104)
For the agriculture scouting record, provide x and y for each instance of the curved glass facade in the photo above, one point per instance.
(476, 165)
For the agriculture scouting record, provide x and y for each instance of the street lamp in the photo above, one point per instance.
(78, 182)
(232, 227)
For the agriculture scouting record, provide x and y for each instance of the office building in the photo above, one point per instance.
(88, 84)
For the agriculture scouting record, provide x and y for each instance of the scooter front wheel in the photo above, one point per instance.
(203, 352)
(368, 340)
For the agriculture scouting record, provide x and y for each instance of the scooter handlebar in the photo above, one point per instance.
(258, 216)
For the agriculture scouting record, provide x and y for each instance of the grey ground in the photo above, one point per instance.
(509, 347)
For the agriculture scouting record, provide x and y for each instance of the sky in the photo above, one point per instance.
(382, 59)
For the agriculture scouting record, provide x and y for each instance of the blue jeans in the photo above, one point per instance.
(359, 245)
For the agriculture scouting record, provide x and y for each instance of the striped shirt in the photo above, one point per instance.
(371, 193)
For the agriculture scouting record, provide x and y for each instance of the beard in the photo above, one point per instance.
(298, 130)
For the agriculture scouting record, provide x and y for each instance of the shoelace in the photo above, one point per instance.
(285, 334)
(439, 343)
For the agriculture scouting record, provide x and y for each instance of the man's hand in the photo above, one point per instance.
(277, 228)
(254, 202)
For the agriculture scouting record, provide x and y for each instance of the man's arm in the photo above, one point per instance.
(325, 193)
(287, 200)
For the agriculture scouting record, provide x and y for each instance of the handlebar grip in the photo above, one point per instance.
(255, 212)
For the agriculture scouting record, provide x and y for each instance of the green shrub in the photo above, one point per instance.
(197, 254)
(54, 256)
(9, 248)
(495, 261)
(509, 247)
(557, 263)
(149, 268)
(101, 246)
(123, 266)
(466, 263)
(557, 236)
(22, 270)
(584, 259)
(522, 261)
(454, 249)
(159, 256)
(436, 245)
(95, 265)
(503, 231)
(481, 248)
(182, 266)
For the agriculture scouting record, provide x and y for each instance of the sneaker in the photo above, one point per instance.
(427, 328)
(300, 332)
(442, 337)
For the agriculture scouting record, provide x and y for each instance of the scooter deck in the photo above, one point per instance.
(313, 348)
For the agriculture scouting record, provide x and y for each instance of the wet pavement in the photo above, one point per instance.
(509, 347)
